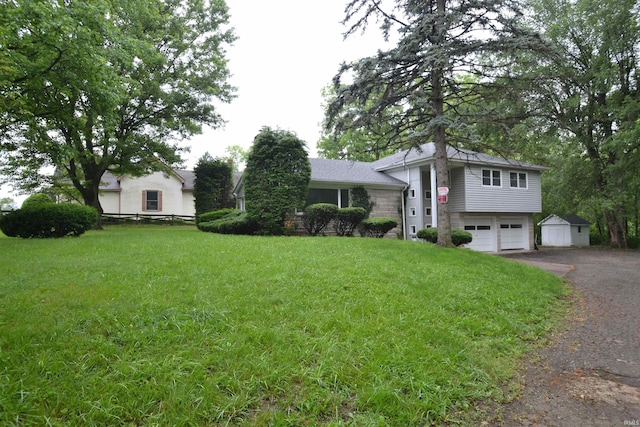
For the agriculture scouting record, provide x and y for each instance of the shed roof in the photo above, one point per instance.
(570, 219)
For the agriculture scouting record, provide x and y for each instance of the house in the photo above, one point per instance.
(491, 197)
(164, 193)
(564, 230)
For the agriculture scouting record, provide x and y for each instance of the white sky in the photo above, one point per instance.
(286, 52)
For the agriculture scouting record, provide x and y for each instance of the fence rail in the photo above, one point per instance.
(146, 217)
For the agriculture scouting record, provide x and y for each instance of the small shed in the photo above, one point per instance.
(564, 230)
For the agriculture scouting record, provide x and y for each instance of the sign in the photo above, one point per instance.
(442, 199)
(443, 191)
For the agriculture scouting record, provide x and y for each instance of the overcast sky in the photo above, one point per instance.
(286, 52)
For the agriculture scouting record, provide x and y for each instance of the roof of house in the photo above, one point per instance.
(350, 172)
(110, 182)
(427, 152)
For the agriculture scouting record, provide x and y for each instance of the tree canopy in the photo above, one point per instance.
(88, 87)
(213, 184)
(420, 78)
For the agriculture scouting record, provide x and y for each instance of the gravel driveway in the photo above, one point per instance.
(590, 373)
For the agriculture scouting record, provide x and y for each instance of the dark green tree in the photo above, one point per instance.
(592, 95)
(106, 85)
(276, 178)
(438, 41)
(213, 184)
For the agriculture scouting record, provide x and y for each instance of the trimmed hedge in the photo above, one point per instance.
(37, 199)
(316, 217)
(458, 237)
(49, 220)
(347, 219)
(236, 222)
(378, 227)
(214, 215)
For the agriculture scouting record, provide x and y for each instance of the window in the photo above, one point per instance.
(427, 195)
(412, 211)
(152, 200)
(518, 179)
(491, 178)
(328, 195)
(412, 193)
(413, 229)
(427, 211)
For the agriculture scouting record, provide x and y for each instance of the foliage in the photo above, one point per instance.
(36, 200)
(317, 217)
(276, 178)
(238, 155)
(458, 237)
(359, 198)
(235, 222)
(378, 227)
(7, 204)
(169, 326)
(49, 220)
(213, 215)
(347, 219)
(592, 96)
(106, 85)
(213, 184)
(366, 144)
(418, 82)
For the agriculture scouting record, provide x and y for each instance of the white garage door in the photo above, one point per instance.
(514, 233)
(483, 234)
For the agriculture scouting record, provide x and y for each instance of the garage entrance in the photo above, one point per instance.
(483, 234)
(514, 233)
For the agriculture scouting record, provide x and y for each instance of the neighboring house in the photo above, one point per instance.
(159, 193)
(491, 197)
(564, 230)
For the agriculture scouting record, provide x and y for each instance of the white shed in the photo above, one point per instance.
(565, 230)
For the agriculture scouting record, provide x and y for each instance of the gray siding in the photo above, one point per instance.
(479, 198)
(457, 193)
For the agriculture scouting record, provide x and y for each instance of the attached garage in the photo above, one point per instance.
(483, 232)
(514, 233)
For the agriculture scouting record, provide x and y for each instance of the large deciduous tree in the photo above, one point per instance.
(102, 85)
(276, 178)
(593, 96)
(438, 42)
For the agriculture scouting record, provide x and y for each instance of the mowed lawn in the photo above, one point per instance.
(157, 325)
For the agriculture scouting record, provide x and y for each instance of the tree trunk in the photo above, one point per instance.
(90, 197)
(617, 236)
(439, 134)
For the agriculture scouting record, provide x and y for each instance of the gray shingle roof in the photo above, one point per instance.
(427, 152)
(349, 172)
(574, 219)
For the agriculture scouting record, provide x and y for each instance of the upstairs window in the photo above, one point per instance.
(491, 178)
(518, 179)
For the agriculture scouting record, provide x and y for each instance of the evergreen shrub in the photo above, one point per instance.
(458, 237)
(316, 217)
(347, 219)
(378, 227)
(37, 199)
(214, 215)
(236, 222)
(49, 220)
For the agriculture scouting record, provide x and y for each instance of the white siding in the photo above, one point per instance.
(110, 201)
(556, 235)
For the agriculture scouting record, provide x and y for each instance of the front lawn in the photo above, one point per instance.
(171, 326)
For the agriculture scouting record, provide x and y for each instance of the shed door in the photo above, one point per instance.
(483, 234)
(514, 233)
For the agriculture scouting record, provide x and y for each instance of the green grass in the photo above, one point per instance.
(171, 326)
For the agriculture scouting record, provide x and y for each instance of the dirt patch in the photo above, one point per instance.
(589, 375)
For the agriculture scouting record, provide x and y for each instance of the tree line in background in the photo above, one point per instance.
(553, 82)
(110, 84)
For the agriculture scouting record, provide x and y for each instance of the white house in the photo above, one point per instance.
(160, 193)
(491, 197)
(565, 230)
